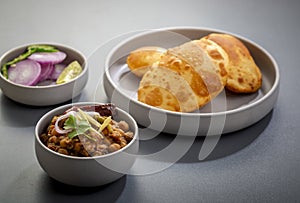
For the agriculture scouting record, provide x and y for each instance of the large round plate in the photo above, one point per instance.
(227, 113)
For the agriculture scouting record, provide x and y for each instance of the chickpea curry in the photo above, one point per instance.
(87, 131)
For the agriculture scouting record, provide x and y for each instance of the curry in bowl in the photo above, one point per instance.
(87, 131)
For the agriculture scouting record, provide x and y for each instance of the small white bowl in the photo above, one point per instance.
(45, 95)
(86, 171)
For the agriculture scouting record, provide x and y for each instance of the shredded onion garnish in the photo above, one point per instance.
(64, 131)
(57, 128)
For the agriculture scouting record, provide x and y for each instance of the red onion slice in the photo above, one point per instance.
(57, 128)
(26, 72)
(48, 57)
(46, 71)
(58, 68)
(64, 116)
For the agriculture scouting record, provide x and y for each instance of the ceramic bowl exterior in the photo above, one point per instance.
(45, 95)
(86, 171)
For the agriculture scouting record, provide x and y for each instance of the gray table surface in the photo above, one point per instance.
(257, 164)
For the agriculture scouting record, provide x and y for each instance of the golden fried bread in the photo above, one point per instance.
(186, 77)
(164, 88)
(244, 76)
(139, 61)
(217, 54)
(194, 65)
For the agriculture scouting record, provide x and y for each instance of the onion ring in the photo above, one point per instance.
(65, 131)
(57, 128)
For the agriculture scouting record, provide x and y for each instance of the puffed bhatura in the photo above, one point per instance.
(196, 68)
(218, 55)
(141, 60)
(187, 77)
(244, 76)
(164, 88)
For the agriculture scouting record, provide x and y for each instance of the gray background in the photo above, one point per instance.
(260, 163)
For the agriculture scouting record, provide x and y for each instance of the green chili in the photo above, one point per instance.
(30, 50)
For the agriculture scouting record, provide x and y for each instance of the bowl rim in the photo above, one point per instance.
(65, 107)
(269, 94)
(85, 64)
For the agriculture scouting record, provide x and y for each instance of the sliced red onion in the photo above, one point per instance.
(64, 116)
(58, 68)
(48, 57)
(26, 72)
(46, 71)
(57, 128)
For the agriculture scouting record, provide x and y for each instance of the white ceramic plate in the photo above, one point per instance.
(227, 113)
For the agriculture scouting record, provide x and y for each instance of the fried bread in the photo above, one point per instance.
(166, 89)
(140, 60)
(244, 75)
